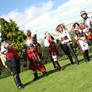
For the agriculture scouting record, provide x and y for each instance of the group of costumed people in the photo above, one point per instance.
(32, 49)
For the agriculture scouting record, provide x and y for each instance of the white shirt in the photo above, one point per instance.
(63, 34)
(87, 23)
(28, 42)
(3, 49)
(46, 43)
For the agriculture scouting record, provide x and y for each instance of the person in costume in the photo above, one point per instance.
(66, 43)
(50, 42)
(32, 53)
(81, 41)
(87, 23)
(10, 59)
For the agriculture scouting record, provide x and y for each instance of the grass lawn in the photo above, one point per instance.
(74, 78)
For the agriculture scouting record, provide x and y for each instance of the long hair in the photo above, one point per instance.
(45, 35)
(28, 33)
(60, 25)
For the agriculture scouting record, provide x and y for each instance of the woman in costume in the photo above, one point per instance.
(81, 41)
(50, 42)
(32, 53)
(66, 43)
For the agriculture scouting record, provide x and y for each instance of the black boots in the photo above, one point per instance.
(87, 59)
(70, 58)
(86, 56)
(18, 81)
(35, 76)
(44, 73)
(57, 65)
(54, 64)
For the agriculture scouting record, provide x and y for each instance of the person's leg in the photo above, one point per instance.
(67, 52)
(16, 77)
(13, 68)
(17, 81)
(55, 61)
(35, 75)
(70, 58)
(44, 73)
(90, 41)
(72, 52)
(18, 65)
(41, 68)
(86, 56)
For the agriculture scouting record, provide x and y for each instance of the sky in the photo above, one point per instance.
(40, 15)
(25, 11)
(7, 6)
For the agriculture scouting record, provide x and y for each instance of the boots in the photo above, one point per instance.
(57, 65)
(86, 56)
(35, 76)
(70, 58)
(87, 59)
(18, 81)
(54, 64)
(44, 73)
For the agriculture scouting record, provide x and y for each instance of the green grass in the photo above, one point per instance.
(74, 78)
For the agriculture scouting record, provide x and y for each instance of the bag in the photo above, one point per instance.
(84, 45)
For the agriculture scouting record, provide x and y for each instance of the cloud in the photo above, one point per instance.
(29, 14)
(42, 19)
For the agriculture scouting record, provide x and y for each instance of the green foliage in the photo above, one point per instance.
(14, 35)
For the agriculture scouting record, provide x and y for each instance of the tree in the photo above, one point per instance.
(15, 36)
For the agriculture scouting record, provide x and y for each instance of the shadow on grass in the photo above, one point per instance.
(42, 76)
(63, 67)
(80, 61)
(53, 71)
(90, 56)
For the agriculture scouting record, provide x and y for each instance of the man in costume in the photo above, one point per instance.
(10, 59)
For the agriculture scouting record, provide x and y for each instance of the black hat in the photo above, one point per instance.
(35, 36)
(4, 37)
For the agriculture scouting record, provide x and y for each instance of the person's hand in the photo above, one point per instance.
(84, 38)
(70, 42)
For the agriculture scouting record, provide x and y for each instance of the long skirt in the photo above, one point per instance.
(35, 62)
